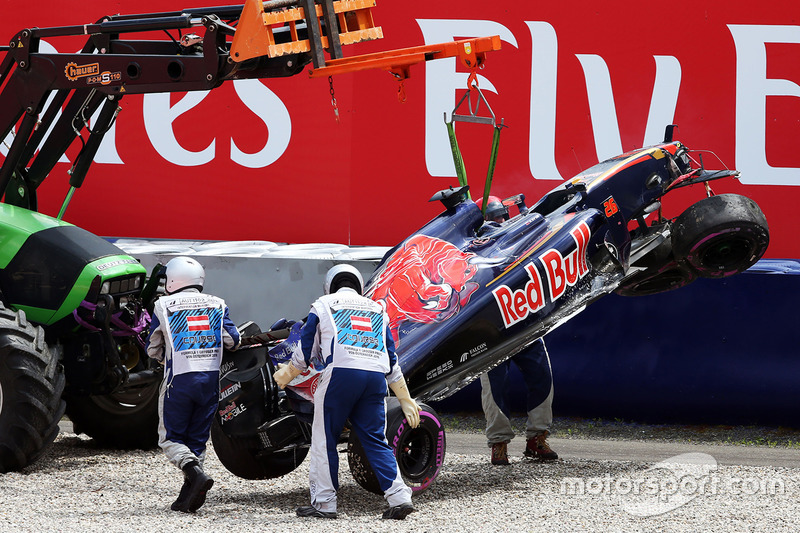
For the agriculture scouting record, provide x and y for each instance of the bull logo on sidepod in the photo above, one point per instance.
(426, 280)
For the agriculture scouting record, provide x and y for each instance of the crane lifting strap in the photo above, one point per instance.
(474, 118)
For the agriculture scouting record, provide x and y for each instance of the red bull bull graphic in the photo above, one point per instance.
(426, 280)
(561, 272)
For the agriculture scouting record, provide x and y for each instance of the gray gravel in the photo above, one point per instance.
(77, 487)
(603, 429)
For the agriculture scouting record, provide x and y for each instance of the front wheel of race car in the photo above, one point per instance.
(419, 451)
(31, 383)
(721, 235)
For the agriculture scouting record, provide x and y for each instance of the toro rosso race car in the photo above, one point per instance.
(463, 294)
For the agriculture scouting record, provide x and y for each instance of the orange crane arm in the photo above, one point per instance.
(262, 31)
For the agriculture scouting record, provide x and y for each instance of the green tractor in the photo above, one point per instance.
(71, 313)
(73, 307)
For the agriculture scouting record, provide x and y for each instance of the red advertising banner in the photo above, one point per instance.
(575, 83)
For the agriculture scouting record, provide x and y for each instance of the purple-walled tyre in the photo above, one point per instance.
(721, 235)
(419, 451)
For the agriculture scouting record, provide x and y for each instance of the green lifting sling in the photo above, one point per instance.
(473, 117)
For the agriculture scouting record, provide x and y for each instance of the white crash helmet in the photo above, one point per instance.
(183, 273)
(343, 276)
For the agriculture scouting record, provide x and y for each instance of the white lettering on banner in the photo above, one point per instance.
(441, 82)
(542, 140)
(664, 99)
(158, 118)
(752, 89)
(603, 110)
(273, 113)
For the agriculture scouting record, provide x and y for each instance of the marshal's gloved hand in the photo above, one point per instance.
(410, 408)
(285, 374)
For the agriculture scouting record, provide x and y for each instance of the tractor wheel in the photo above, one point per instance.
(31, 383)
(419, 451)
(123, 420)
(721, 235)
(242, 457)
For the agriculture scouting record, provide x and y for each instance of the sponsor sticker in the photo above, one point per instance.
(73, 71)
(439, 370)
(560, 272)
(479, 349)
(104, 79)
(230, 389)
(118, 262)
(231, 411)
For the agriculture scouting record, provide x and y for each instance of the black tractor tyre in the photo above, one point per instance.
(31, 383)
(123, 420)
(241, 457)
(419, 451)
(721, 235)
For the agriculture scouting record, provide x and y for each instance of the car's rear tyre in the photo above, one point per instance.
(31, 383)
(419, 451)
(123, 420)
(243, 457)
(721, 235)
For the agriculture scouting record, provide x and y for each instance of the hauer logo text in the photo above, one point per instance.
(560, 272)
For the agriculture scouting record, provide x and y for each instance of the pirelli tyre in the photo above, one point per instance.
(721, 235)
(244, 456)
(31, 383)
(419, 451)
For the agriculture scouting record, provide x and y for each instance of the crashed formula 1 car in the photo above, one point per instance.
(463, 295)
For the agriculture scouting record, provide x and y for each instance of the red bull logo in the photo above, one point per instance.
(560, 272)
(427, 280)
